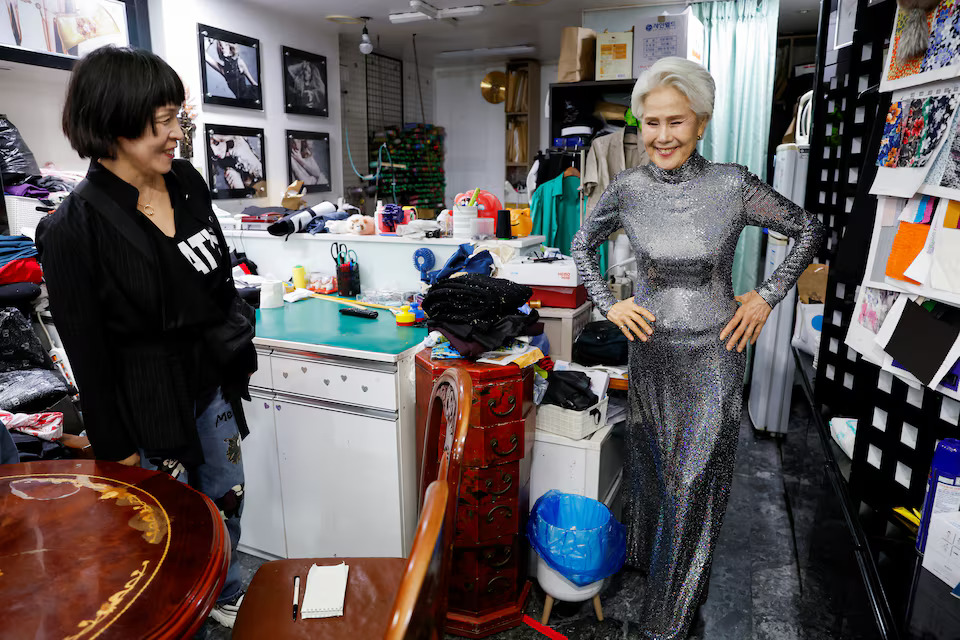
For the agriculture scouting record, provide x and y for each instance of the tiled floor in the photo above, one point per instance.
(783, 569)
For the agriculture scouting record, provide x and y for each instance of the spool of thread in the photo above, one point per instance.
(503, 224)
(299, 277)
(943, 486)
(271, 294)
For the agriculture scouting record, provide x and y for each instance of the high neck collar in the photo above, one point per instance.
(690, 169)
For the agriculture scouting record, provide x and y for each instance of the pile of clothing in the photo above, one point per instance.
(477, 313)
(20, 273)
(29, 380)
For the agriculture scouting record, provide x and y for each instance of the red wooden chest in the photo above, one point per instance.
(488, 585)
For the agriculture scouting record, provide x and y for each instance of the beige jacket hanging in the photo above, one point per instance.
(607, 157)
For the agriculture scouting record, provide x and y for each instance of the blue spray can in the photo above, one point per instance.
(943, 486)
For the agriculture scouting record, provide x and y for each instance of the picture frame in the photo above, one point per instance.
(308, 159)
(304, 82)
(236, 162)
(846, 24)
(230, 68)
(40, 33)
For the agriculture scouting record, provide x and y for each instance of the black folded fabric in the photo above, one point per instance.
(479, 313)
(569, 390)
(18, 294)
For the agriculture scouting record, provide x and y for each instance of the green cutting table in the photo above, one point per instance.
(317, 326)
(329, 462)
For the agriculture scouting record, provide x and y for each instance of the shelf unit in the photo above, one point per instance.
(586, 93)
(522, 121)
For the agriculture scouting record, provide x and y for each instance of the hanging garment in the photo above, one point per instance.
(607, 157)
(686, 389)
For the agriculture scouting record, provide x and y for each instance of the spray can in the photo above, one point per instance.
(943, 486)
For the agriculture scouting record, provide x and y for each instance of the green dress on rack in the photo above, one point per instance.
(556, 214)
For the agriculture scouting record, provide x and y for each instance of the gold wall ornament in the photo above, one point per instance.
(493, 87)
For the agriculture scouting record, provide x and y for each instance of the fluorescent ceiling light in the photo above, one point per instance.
(425, 11)
(518, 50)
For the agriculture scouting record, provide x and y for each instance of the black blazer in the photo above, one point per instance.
(107, 299)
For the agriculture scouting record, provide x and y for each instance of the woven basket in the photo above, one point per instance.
(572, 424)
(23, 213)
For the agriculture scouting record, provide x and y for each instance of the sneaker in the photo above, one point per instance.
(225, 613)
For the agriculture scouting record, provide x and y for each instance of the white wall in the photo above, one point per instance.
(173, 27)
(32, 98)
(476, 131)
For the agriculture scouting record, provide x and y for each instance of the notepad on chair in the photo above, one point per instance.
(326, 588)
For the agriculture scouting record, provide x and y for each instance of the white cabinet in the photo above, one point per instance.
(340, 475)
(262, 530)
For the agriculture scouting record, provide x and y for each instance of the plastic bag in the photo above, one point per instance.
(15, 155)
(577, 536)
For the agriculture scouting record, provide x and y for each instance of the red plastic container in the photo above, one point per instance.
(562, 297)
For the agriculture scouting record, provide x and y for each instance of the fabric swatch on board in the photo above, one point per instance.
(938, 116)
(922, 340)
(875, 305)
(907, 245)
(945, 267)
(883, 249)
(952, 218)
(913, 127)
(892, 132)
(944, 43)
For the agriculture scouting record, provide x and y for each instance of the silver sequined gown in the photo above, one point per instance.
(686, 389)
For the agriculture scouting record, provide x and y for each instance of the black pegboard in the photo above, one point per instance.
(898, 427)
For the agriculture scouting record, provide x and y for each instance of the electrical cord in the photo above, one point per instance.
(374, 177)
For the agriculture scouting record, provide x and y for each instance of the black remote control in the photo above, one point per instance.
(360, 313)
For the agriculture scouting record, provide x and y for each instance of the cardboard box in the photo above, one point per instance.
(615, 55)
(680, 35)
(560, 273)
(941, 556)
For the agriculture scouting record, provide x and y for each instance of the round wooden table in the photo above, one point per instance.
(93, 549)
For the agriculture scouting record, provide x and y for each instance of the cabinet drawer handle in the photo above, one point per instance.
(492, 589)
(507, 554)
(506, 478)
(513, 440)
(511, 402)
(495, 509)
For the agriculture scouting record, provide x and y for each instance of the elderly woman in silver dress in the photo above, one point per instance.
(683, 215)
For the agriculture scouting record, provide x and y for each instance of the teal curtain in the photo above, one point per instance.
(740, 51)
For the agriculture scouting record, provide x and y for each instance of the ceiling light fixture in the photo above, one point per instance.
(803, 11)
(516, 50)
(366, 47)
(339, 19)
(426, 11)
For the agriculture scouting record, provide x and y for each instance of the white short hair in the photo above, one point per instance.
(689, 78)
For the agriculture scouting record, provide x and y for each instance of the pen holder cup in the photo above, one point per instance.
(348, 280)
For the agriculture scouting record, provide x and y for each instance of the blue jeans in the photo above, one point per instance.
(220, 477)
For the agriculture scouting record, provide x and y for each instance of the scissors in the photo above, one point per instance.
(341, 255)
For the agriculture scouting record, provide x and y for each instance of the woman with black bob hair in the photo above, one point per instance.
(138, 274)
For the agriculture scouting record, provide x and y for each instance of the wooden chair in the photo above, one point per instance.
(416, 587)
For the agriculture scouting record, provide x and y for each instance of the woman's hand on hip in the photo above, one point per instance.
(747, 321)
(632, 319)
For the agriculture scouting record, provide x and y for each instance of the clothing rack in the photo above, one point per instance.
(553, 162)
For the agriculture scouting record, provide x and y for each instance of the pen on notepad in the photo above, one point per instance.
(296, 595)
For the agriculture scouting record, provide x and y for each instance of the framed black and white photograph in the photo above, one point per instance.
(236, 166)
(304, 82)
(308, 159)
(55, 33)
(229, 68)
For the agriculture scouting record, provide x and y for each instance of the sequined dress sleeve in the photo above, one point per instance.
(603, 220)
(765, 207)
